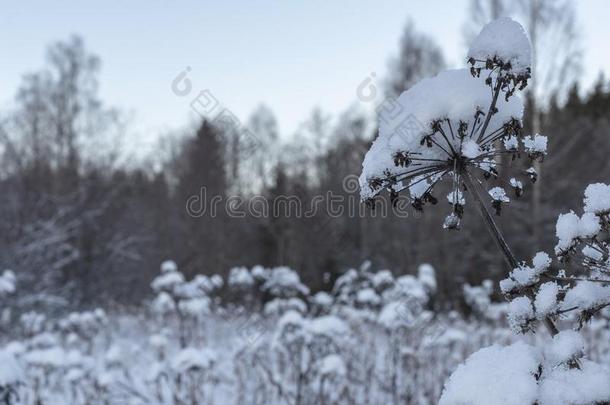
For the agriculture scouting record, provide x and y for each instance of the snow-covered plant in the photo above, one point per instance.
(194, 373)
(8, 286)
(189, 300)
(245, 285)
(283, 282)
(32, 323)
(11, 378)
(582, 287)
(321, 303)
(302, 347)
(478, 297)
(363, 288)
(555, 371)
(279, 289)
(84, 326)
(525, 374)
(455, 126)
(240, 278)
(8, 283)
(279, 306)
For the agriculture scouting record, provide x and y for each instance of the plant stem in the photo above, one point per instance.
(490, 112)
(510, 258)
(472, 186)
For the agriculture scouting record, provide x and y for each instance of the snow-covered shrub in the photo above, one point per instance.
(281, 285)
(363, 288)
(300, 347)
(582, 287)
(11, 378)
(478, 298)
(8, 283)
(194, 372)
(283, 282)
(32, 323)
(279, 306)
(8, 286)
(321, 303)
(84, 326)
(240, 279)
(189, 300)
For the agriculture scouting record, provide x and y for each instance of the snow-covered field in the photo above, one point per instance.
(372, 340)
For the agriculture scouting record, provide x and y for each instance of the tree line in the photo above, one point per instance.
(79, 224)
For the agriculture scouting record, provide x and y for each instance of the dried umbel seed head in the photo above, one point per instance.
(462, 127)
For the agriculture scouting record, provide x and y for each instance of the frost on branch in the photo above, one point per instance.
(455, 125)
(526, 276)
(583, 287)
(546, 299)
(583, 246)
(520, 314)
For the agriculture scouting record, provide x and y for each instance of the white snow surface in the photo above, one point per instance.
(597, 198)
(10, 370)
(546, 299)
(368, 296)
(322, 299)
(167, 281)
(524, 276)
(332, 365)
(7, 283)
(499, 194)
(535, 143)
(505, 39)
(471, 149)
(570, 227)
(240, 277)
(328, 325)
(427, 276)
(169, 266)
(495, 375)
(565, 386)
(586, 295)
(507, 375)
(520, 311)
(191, 358)
(284, 280)
(565, 346)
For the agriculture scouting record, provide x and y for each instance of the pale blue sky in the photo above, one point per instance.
(290, 55)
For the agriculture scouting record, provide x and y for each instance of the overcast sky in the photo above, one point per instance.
(291, 56)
